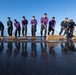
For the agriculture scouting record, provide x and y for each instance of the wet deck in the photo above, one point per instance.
(37, 58)
(29, 39)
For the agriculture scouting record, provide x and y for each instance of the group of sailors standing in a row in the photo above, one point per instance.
(66, 25)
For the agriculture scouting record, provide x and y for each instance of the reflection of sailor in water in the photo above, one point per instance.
(72, 46)
(52, 50)
(9, 49)
(24, 51)
(33, 52)
(69, 46)
(44, 52)
(1, 47)
(17, 49)
(65, 47)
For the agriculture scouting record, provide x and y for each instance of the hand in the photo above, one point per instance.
(62, 27)
(65, 28)
(33, 24)
(15, 29)
(52, 27)
(8, 26)
(45, 26)
(42, 23)
(24, 27)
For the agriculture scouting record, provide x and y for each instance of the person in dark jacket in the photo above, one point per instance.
(64, 25)
(10, 26)
(18, 28)
(71, 26)
(33, 27)
(24, 26)
(1, 28)
(51, 26)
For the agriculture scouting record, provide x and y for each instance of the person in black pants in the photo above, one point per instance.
(1, 28)
(33, 26)
(71, 26)
(10, 26)
(24, 26)
(44, 22)
(18, 28)
(51, 26)
(65, 26)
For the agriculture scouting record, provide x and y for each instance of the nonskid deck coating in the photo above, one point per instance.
(38, 39)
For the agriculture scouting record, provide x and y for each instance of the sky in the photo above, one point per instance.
(28, 8)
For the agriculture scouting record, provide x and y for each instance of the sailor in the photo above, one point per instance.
(44, 21)
(51, 26)
(33, 27)
(1, 28)
(24, 26)
(65, 26)
(10, 26)
(18, 28)
(71, 26)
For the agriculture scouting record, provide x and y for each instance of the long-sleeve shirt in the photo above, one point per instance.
(44, 20)
(1, 25)
(52, 23)
(71, 24)
(9, 23)
(34, 22)
(24, 22)
(65, 25)
(17, 25)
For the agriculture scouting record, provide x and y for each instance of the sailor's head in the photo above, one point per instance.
(53, 18)
(45, 15)
(33, 17)
(66, 19)
(23, 18)
(8, 18)
(15, 20)
(71, 20)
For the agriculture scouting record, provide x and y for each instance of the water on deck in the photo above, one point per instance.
(38, 58)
